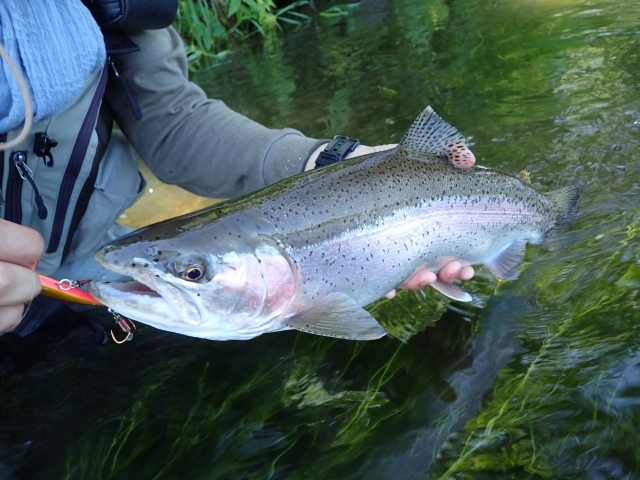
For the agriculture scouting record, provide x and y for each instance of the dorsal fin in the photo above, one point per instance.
(430, 134)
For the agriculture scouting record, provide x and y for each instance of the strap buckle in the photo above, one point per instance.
(337, 150)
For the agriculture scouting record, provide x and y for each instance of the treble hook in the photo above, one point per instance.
(125, 324)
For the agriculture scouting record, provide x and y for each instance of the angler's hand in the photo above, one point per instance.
(20, 250)
(357, 152)
(468, 160)
(448, 274)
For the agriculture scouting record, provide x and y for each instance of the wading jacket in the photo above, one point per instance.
(73, 192)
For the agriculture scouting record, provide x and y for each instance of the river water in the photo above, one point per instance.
(537, 378)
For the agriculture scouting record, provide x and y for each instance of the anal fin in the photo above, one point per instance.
(452, 291)
(506, 263)
(337, 315)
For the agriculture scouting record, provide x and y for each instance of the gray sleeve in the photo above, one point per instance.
(190, 140)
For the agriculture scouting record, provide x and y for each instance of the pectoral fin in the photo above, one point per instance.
(337, 315)
(452, 291)
(506, 263)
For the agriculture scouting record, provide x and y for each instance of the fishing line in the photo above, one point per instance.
(28, 108)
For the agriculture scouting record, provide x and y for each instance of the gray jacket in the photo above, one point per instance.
(184, 138)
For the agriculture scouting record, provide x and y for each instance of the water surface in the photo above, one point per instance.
(537, 378)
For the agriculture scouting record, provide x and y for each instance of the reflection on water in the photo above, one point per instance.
(537, 379)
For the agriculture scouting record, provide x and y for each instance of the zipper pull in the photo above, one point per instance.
(20, 161)
(42, 147)
(132, 101)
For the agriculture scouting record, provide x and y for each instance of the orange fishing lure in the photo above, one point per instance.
(66, 290)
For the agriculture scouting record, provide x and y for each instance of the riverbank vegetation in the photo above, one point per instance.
(211, 27)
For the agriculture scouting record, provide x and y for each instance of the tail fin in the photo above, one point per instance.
(566, 202)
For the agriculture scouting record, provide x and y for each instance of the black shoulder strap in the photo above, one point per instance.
(133, 14)
(118, 42)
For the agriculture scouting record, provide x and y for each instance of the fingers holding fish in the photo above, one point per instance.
(457, 153)
(466, 273)
(460, 156)
(455, 271)
(448, 274)
(366, 149)
(420, 279)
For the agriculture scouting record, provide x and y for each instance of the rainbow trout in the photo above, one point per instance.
(307, 253)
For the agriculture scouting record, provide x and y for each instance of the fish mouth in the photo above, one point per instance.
(147, 298)
(127, 297)
(163, 306)
(133, 287)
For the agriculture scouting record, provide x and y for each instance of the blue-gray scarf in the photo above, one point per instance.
(57, 45)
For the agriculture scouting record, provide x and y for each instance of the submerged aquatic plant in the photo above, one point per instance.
(255, 409)
(558, 412)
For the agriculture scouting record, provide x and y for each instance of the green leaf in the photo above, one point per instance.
(299, 3)
(335, 11)
(234, 6)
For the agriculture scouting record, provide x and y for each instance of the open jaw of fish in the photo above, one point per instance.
(307, 253)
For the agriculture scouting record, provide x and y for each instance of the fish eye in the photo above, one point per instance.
(193, 273)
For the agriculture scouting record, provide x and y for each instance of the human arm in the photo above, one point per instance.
(20, 250)
(190, 140)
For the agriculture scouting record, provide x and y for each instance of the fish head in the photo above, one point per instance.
(209, 282)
